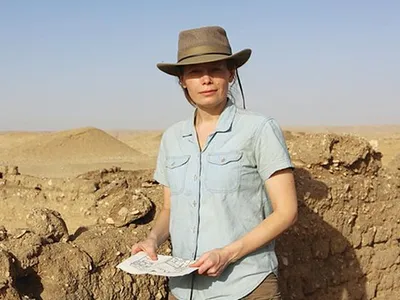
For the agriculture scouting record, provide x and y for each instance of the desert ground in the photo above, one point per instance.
(72, 152)
(62, 231)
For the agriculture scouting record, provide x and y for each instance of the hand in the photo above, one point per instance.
(149, 246)
(212, 263)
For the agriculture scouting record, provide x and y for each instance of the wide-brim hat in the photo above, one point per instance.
(203, 45)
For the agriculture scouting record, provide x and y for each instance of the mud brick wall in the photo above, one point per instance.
(345, 244)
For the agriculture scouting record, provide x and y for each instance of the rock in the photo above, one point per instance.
(48, 223)
(387, 282)
(148, 184)
(9, 170)
(3, 233)
(108, 246)
(7, 277)
(382, 234)
(26, 248)
(83, 267)
(370, 289)
(110, 221)
(129, 207)
(374, 144)
(73, 185)
(333, 152)
(112, 188)
(64, 271)
(368, 237)
(356, 237)
(385, 258)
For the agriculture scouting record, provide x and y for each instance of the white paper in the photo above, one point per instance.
(169, 266)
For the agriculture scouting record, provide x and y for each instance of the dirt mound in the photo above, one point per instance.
(144, 141)
(43, 260)
(48, 224)
(345, 244)
(333, 152)
(7, 277)
(10, 140)
(84, 144)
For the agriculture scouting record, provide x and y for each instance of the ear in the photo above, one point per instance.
(181, 83)
(231, 75)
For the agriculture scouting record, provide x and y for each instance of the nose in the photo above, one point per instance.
(206, 78)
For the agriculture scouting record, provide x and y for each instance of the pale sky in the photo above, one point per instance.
(70, 64)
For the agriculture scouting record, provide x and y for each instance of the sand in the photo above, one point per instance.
(72, 152)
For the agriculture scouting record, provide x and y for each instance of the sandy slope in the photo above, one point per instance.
(68, 153)
(71, 152)
(14, 139)
(146, 142)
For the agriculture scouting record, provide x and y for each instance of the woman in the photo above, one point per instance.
(228, 184)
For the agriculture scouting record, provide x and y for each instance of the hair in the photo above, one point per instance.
(231, 90)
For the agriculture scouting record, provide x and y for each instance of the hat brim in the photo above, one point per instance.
(239, 59)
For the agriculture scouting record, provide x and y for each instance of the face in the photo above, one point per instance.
(208, 83)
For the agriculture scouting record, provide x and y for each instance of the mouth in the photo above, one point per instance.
(209, 92)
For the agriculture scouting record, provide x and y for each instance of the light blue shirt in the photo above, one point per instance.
(218, 195)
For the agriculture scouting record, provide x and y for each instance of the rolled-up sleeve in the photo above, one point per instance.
(271, 151)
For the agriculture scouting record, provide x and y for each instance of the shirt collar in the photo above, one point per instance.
(224, 122)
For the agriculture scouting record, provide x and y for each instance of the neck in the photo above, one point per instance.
(209, 115)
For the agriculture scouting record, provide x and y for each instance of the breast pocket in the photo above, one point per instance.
(223, 171)
(176, 172)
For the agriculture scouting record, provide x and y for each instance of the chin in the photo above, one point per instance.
(209, 102)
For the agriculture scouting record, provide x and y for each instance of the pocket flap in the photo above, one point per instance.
(176, 161)
(224, 158)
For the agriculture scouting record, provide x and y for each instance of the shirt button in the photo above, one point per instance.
(194, 203)
(223, 159)
(194, 230)
(195, 177)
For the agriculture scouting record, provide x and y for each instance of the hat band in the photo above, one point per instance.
(203, 50)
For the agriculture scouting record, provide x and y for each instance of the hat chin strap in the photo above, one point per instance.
(241, 89)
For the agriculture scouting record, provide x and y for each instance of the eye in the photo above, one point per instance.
(218, 69)
(194, 71)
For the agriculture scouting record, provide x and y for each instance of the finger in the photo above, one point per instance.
(198, 262)
(205, 266)
(152, 254)
(213, 272)
(136, 249)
